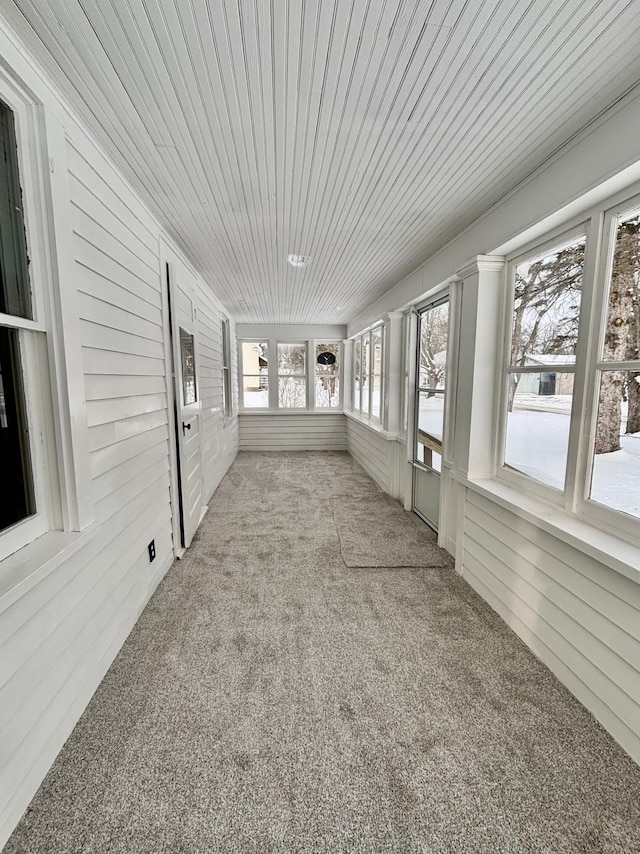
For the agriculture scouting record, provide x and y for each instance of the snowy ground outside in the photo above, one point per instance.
(537, 440)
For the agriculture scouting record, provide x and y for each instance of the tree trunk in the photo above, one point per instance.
(633, 396)
(619, 328)
(609, 413)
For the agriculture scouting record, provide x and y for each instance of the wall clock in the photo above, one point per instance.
(326, 358)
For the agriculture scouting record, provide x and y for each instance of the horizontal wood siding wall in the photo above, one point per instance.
(375, 454)
(581, 618)
(220, 439)
(58, 639)
(306, 432)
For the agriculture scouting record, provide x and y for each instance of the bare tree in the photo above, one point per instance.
(433, 346)
(546, 308)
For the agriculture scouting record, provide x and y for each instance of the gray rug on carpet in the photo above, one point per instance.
(378, 532)
(271, 699)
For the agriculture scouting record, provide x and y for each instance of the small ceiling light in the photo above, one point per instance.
(298, 260)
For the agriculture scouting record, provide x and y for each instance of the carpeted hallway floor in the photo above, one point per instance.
(313, 676)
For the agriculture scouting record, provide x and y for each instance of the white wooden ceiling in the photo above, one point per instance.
(363, 133)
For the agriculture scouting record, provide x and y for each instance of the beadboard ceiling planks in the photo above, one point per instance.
(363, 133)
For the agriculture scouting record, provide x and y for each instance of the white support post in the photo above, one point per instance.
(393, 372)
(347, 372)
(480, 336)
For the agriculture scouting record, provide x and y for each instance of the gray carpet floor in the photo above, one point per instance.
(277, 696)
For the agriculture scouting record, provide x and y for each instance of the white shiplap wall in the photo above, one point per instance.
(59, 637)
(378, 455)
(580, 617)
(288, 432)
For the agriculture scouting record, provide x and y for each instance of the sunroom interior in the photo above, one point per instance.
(404, 230)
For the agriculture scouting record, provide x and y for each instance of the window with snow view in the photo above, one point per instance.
(327, 375)
(292, 376)
(615, 450)
(255, 374)
(368, 373)
(546, 297)
(572, 390)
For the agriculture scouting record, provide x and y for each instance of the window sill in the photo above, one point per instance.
(603, 547)
(22, 570)
(376, 427)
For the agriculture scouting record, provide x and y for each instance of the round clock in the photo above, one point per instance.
(326, 359)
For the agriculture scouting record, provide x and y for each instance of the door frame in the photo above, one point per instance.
(169, 255)
(450, 289)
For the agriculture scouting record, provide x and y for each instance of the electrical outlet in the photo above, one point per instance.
(152, 550)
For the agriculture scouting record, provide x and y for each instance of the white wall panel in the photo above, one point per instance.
(377, 455)
(58, 638)
(580, 617)
(305, 432)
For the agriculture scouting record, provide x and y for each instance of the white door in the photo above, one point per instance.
(432, 341)
(184, 341)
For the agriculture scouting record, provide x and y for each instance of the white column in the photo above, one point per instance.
(480, 334)
(347, 372)
(393, 372)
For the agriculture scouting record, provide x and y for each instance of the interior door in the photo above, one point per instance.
(187, 398)
(431, 364)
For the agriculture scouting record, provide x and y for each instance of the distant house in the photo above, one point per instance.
(547, 382)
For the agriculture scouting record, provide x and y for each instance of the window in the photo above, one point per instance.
(292, 376)
(327, 379)
(187, 354)
(546, 296)
(27, 507)
(18, 501)
(368, 376)
(571, 423)
(615, 450)
(255, 374)
(433, 334)
(227, 401)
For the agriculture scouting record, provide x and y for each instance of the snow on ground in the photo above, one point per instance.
(537, 442)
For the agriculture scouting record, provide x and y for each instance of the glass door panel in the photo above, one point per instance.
(433, 336)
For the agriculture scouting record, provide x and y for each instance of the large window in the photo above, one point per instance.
(303, 375)
(227, 400)
(547, 291)
(615, 451)
(17, 501)
(368, 373)
(26, 505)
(433, 334)
(572, 381)
(327, 375)
(292, 376)
(255, 374)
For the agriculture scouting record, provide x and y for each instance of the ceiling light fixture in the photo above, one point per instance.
(298, 260)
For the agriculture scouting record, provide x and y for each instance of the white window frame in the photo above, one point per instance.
(599, 227)
(273, 375)
(313, 344)
(227, 398)
(293, 342)
(361, 337)
(51, 365)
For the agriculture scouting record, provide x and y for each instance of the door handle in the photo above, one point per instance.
(186, 425)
